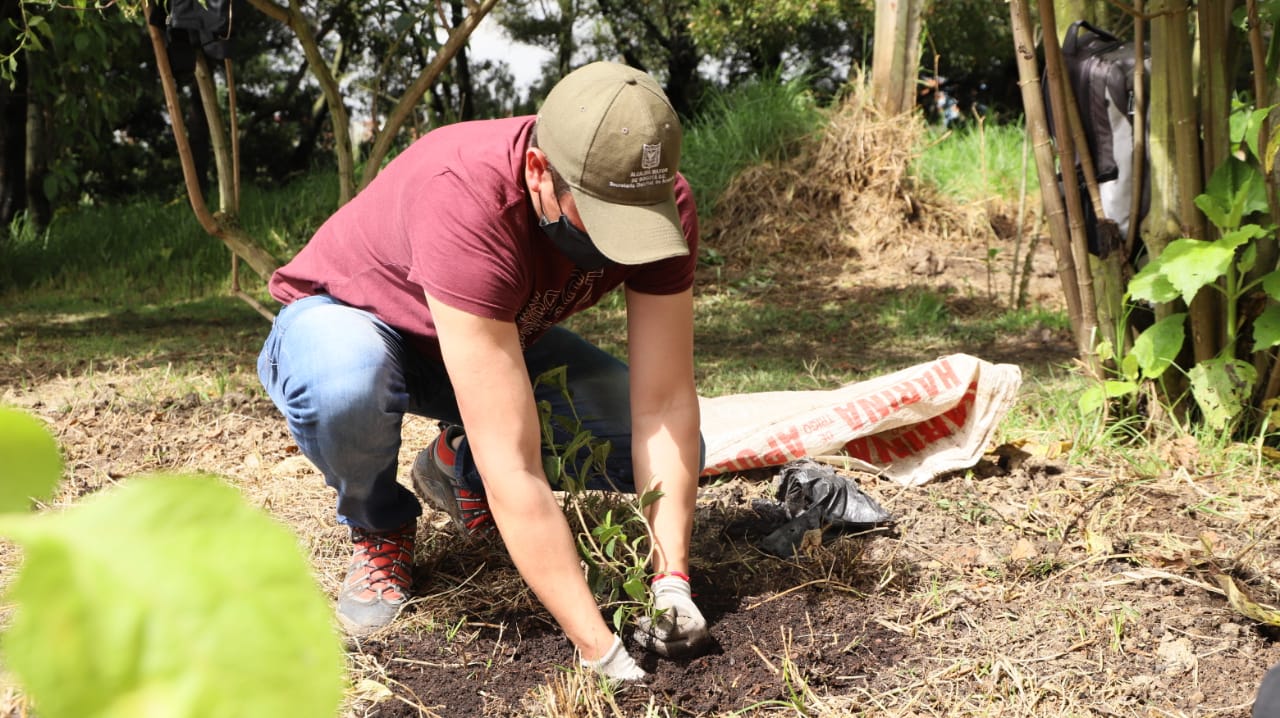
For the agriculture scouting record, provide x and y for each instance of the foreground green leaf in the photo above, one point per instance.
(30, 463)
(169, 597)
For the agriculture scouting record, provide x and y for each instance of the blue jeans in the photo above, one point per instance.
(344, 380)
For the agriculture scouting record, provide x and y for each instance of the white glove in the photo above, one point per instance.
(677, 627)
(617, 664)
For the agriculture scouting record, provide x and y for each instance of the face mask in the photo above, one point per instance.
(573, 242)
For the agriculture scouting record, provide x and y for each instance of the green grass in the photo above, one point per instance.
(153, 250)
(977, 162)
(749, 341)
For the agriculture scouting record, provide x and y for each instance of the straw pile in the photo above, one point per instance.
(847, 198)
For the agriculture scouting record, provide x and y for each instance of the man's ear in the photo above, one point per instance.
(536, 168)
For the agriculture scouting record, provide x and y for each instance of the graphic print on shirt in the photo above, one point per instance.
(545, 309)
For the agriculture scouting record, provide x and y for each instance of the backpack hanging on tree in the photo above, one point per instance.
(1100, 69)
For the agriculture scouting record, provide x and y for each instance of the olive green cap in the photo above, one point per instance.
(610, 132)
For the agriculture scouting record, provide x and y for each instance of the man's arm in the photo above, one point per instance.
(664, 418)
(487, 368)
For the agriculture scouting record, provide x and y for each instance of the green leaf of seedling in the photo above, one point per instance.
(1097, 395)
(169, 596)
(1158, 345)
(1092, 400)
(30, 463)
(1266, 328)
(619, 618)
(1185, 265)
(634, 587)
(1238, 121)
(649, 497)
(1221, 387)
(551, 466)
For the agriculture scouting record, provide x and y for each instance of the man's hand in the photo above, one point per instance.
(617, 664)
(677, 628)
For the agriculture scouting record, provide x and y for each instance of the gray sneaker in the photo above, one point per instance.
(437, 484)
(377, 583)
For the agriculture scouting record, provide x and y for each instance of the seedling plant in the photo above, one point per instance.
(611, 532)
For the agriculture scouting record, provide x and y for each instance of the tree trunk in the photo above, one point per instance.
(39, 152)
(896, 56)
(13, 137)
(565, 44)
(1214, 20)
(683, 85)
(1188, 180)
(217, 132)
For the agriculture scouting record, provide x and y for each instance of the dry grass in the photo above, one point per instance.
(847, 199)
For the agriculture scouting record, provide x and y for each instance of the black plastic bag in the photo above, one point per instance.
(812, 495)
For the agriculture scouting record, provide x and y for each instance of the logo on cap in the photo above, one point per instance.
(651, 156)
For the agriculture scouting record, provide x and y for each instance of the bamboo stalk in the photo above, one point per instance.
(1105, 270)
(1267, 247)
(1066, 154)
(1204, 309)
(1139, 125)
(1266, 361)
(1029, 83)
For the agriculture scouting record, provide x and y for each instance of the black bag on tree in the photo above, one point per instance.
(1099, 68)
(192, 25)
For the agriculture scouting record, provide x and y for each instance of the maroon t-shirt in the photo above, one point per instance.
(451, 216)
